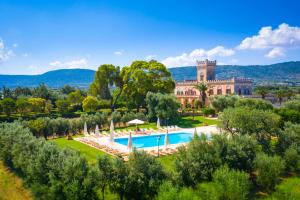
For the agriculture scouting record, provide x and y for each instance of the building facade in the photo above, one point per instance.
(186, 92)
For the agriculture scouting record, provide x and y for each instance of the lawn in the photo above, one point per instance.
(168, 162)
(183, 122)
(89, 152)
(11, 187)
(189, 122)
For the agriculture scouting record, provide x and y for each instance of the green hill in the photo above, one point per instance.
(261, 74)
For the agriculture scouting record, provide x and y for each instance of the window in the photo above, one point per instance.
(210, 92)
(219, 91)
(228, 91)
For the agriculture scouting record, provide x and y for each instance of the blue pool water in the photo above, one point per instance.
(151, 140)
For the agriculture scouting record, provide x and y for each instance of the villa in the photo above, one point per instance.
(187, 93)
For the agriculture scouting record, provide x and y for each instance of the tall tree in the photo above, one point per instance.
(90, 104)
(263, 91)
(8, 105)
(22, 105)
(280, 94)
(202, 88)
(143, 77)
(107, 84)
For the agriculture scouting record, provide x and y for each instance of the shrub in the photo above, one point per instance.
(288, 189)
(222, 102)
(208, 111)
(51, 173)
(196, 162)
(235, 184)
(238, 151)
(259, 104)
(268, 170)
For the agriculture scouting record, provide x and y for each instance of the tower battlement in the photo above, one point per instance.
(206, 62)
(206, 70)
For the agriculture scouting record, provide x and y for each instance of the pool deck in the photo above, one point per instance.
(103, 143)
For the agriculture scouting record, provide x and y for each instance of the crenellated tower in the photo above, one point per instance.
(206, 70)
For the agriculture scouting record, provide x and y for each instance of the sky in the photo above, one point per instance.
(37, 36)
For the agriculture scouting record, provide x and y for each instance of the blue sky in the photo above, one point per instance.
(38, 36)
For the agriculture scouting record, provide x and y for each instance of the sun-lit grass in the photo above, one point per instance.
(133, 127)
(189, 122)
(89, 152)
(11, 187)
(168, 162)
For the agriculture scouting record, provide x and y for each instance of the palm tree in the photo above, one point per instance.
(202, 88)
(263, 91)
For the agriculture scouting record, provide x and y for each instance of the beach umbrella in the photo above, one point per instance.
(167, 138)
(130, 142)
(136, 122)
(158, 123)
(85, 131)
(195, 132)
(112, 135)
(97, 130)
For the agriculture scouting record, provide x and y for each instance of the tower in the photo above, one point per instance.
(206, 70)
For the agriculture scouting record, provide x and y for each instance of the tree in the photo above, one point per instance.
(263, 91)
(143, 77)
(164, 106)
(62, 105)
(104, 173)
(235, 184)
(259, 104)
(238, 151)
(280, 94)
(8, 106)
(75, 98)
(288, 189)
(42, 91)
(222, 102)
(37, 126)
(268, 170)
(196, 162)
(288, 137)
(167, 191)
(90, 104)
(6, 93)
(244, 120)
(107, 84)
(22, 105)
(37, 104)
(144, 176)
(292, 158)
(67, 89)
(119, 178)
(202, 88)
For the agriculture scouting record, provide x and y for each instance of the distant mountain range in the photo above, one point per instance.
(288, 72)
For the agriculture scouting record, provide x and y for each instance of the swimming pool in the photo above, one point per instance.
(151, 140)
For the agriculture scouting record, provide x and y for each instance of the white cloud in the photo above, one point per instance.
(5, 53)
(81, 63)
(150, 57)
(15, 45)
(119, 53)
(275, 52)
(284, 36)
(197, 54)
(25, 55)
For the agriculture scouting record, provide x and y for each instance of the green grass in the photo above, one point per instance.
(11, 187)
(88, 152)
(189, 122)
(133, 127)
(168, 162)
